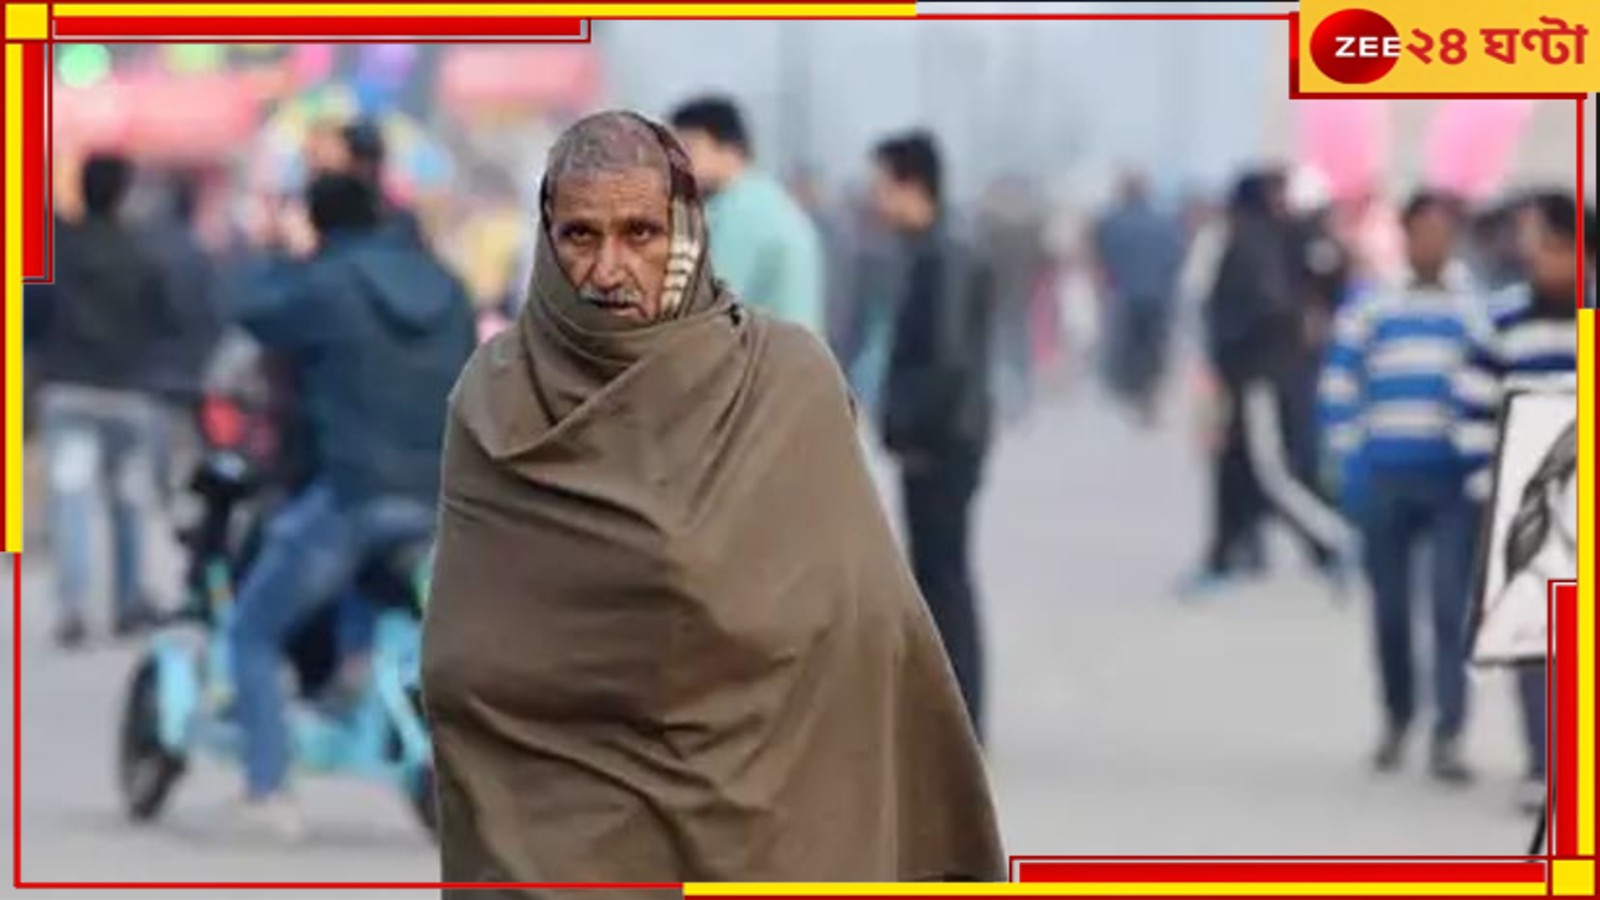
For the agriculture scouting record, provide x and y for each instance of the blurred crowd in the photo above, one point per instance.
(1342, 353)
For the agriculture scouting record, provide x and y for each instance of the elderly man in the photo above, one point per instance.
(671, 637)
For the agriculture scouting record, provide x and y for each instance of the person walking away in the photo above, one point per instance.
(1139, 252)
(1253, 330)
(1531, 337)
(670, 637)
(376, 332)
(108, 317)
(937, 407)
(1389, 414)
(761, 241)
(190, 275)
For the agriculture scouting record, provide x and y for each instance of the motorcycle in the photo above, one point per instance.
(180, 698)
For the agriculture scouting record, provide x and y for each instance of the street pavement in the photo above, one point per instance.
(1125, 721)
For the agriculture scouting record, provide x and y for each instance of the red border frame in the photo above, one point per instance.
(38, 259)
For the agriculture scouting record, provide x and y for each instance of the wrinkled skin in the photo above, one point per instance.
(612, 236)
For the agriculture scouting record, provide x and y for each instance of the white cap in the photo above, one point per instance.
(1308, 190)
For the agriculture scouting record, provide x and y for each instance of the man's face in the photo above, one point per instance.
(888, 198)
(612, 235)
(325, 151)
(713, 163)
(1551, 258)
(1430, 239)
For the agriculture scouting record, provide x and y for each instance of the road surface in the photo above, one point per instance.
(1125, 721)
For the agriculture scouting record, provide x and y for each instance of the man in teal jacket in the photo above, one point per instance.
(762, 243)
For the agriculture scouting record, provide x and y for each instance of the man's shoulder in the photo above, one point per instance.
(799, 368)
(1510, 305)
(490, 363)
(791, 346)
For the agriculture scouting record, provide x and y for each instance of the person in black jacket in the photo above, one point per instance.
(1255, 323)
(376, 331)
(937, 408)
(96, 334)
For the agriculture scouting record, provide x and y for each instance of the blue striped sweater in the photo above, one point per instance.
(1386, 397)
(1522, 344)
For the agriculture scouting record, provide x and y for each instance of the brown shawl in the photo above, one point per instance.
(671, 637)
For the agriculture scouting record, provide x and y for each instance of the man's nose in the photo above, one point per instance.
(608, 270)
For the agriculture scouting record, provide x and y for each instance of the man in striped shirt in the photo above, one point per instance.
(1532, 338)
(1389, 412)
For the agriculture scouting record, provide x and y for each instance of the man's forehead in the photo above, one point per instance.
(631, 191)
(606, 144)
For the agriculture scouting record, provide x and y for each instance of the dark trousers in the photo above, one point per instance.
(1254, 477)
(1403, 510)
(937, 492)
(1237, 501)
(1138, 358)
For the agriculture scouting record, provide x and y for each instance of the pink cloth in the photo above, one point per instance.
(1347, 141)
(1471, 145)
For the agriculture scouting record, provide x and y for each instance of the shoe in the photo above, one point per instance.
(1203, 584)
(1391, 751)
(1445, 763)
(1531, 795)
(275, 816)
(71, 633)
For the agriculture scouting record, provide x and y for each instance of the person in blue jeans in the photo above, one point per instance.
(97, 336)
(376, 331)
(1389, 412)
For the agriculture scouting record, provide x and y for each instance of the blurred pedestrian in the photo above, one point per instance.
(109, 317)
(1390, 414)
(670, 637)
(937, 407)
(1532, 337)
(366, 157)
(762, 242)
(1139, 251)
(1254, 328)
(375, 331)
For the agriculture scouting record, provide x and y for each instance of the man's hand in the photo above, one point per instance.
(295, 233)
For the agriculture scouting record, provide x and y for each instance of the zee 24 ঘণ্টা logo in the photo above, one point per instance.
(1359, 46)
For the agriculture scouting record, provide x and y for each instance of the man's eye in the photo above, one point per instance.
(643, 231)
(578, 234)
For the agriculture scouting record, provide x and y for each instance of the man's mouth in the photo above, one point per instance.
(620, 303)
